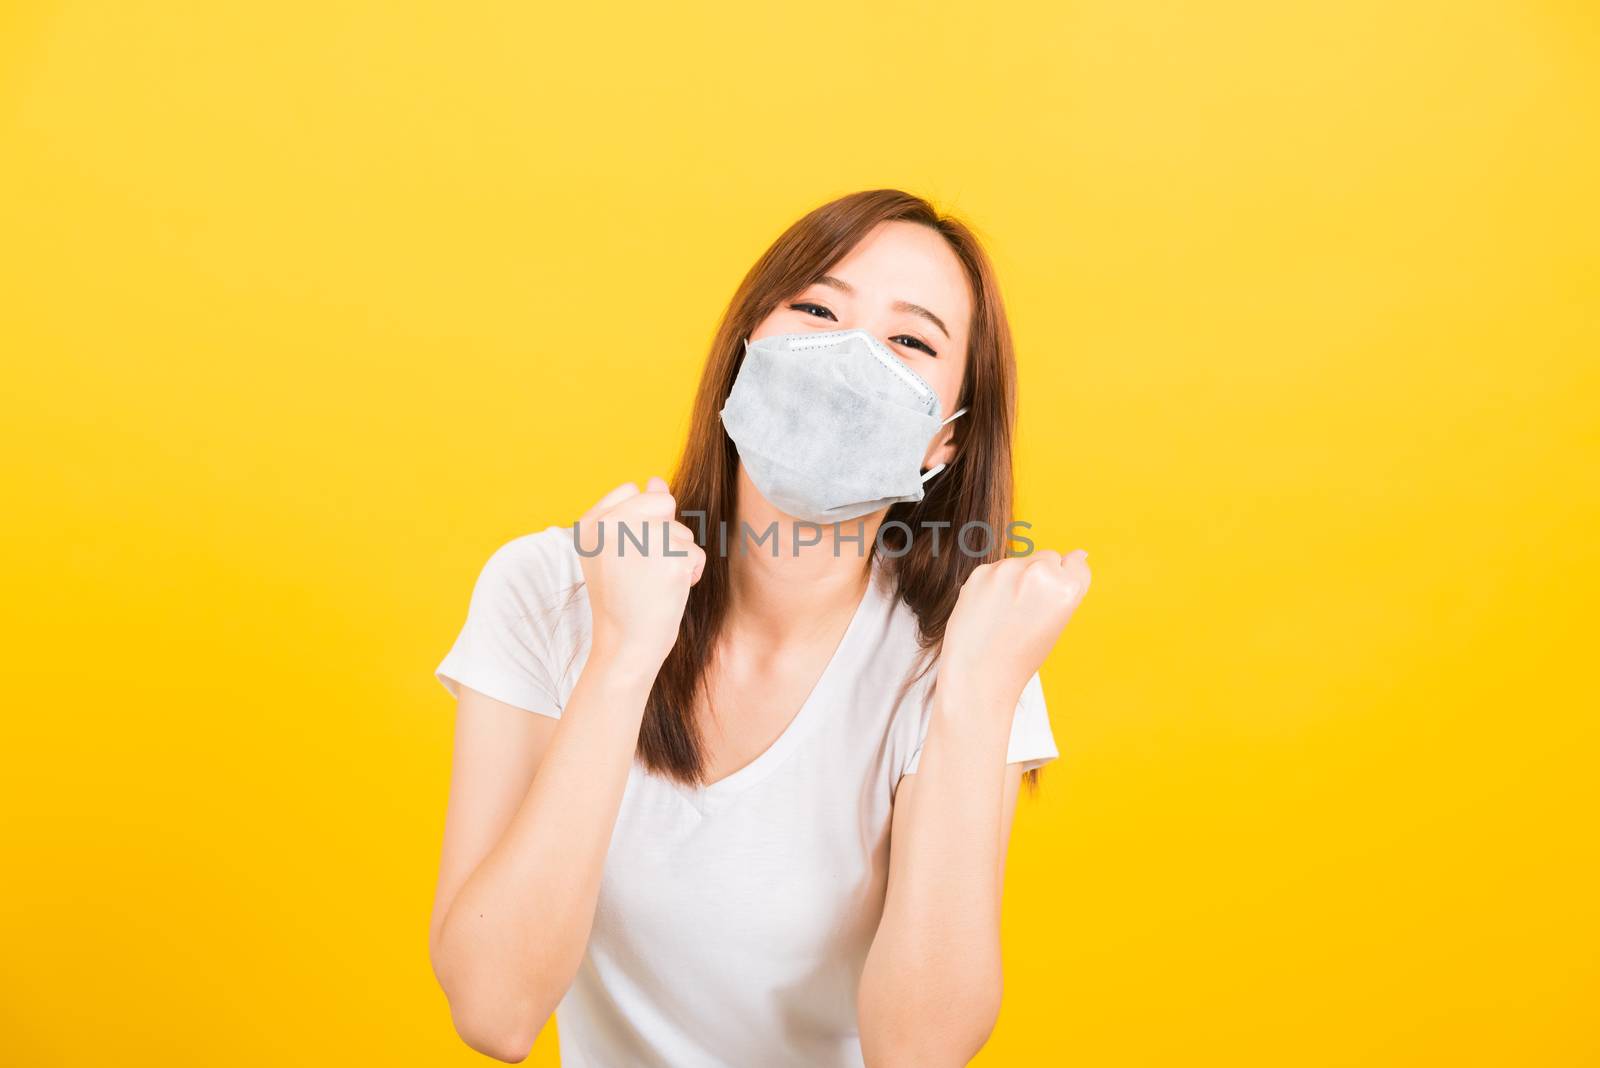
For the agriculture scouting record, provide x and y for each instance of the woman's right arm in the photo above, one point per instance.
(533, 799)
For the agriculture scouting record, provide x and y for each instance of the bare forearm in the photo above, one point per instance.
(931, 985)
(515, 933)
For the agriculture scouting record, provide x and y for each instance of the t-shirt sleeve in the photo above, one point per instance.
(510, 646)
(1032, 743)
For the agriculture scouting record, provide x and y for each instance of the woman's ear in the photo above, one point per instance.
(942, 449)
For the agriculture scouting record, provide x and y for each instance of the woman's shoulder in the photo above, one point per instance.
(534, 577)
(525, 622)
(546, 553)
(897, 649)
(901, 623)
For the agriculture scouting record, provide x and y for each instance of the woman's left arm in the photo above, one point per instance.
(930, 989)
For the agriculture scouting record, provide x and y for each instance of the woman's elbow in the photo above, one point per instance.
(494, 1016)
(926, 1037)
(495, 1020)
(504, 1038)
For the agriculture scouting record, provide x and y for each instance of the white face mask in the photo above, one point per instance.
(831, 426)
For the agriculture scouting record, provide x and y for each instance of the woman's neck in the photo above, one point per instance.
(781, 590)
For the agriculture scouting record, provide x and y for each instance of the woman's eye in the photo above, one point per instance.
(813, 309)
(907, 339)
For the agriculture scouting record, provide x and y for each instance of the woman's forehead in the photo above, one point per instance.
(900, 261)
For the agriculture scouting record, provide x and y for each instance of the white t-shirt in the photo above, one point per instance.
(733, 920)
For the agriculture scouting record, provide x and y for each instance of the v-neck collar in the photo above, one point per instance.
(712, 797)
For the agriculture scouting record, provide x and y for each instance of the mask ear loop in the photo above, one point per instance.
(934, 470)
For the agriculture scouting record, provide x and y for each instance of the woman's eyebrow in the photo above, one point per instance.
(899, 305)
(917, 309)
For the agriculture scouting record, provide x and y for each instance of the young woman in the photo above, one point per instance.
(782, 708)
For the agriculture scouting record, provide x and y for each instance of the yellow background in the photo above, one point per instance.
(307, 307)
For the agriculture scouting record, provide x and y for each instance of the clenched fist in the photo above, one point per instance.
(636, 596)
(1007, 619)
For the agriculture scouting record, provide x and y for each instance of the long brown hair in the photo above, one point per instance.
(975, 487)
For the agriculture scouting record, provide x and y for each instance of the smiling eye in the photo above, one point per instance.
(812, 309)
(906, 339)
